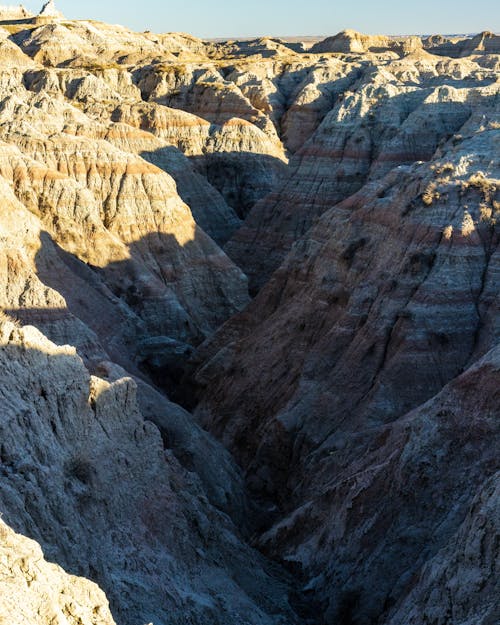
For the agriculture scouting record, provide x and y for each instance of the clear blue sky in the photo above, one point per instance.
(231, 18)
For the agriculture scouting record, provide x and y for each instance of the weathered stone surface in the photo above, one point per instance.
(117, 212)
(89, 479)
(483, 43)
(389, 297)
(49, 10)
(37, 592)
(18, 12)
(465, 571)
(358, 392)
(397, 114)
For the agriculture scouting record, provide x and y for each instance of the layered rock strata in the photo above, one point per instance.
(344, 379)
(356, 396)
(86, 476)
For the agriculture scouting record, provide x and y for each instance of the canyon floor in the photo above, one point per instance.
(249, 328)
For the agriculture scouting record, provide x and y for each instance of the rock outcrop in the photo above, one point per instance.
(118, 213)
(379, 306)
(89, 479)
(346, 472)
(8, 13)
(466, 570)
(394, 115)
(49, 10)
(481, 44)
(28, 581)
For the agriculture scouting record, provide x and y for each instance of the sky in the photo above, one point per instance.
(230, 18)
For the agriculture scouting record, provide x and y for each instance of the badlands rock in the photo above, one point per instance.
(465, 570)
(117, 195)
(428, 536)
(348, 390)
(12, 57)
(12, 13)
(84, 475)
(351, 41)
(111, 96)
(415, 216)
(28, 581)
(483, 43)
(29, 262)
(183, 45)
(87, 43)
(264, 47)
(49, 11)
(368, 131)
(243, 157)
(388, 298)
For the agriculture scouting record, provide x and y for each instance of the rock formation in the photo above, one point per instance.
(120, 507)
(28, 581)
(331, 455)
(483, 43)
(366, 131)
(49, 10)
(330, 388)
(11, 13)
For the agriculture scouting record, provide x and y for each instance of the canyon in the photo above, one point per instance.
(249, 327)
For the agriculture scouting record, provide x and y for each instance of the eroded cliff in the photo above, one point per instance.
(346, 472)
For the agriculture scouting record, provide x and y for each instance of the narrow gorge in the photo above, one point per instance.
(249, 327)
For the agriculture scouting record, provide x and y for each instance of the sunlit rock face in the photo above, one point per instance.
(90, 480)
(364, 379)
(11, 12)
(28, 580)
(346, 472)
(118, 213)
(50, 11)
(394, 114)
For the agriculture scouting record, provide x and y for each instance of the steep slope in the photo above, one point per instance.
(362, 557)
(30, 264)
(117, 212)
(89, 479)
(466, 570)
(397, 114)
(239, 158)
(355, 399)
(481, 44)
(28, 581)
(392, 295)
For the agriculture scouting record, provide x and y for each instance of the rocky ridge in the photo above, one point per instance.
(113, 487)
(388, 298)
(349, 397)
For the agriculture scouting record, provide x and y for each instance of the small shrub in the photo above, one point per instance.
(485, 212)
(468, 226)
(430, 194)
(485, 186)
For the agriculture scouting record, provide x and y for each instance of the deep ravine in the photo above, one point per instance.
(249, 327)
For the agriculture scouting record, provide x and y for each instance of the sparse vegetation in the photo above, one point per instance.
(468, 226)
(448, 232)
(101, 67)
(430, 194)
(445, 169)
(487, 186)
